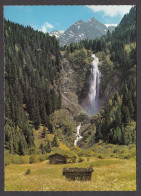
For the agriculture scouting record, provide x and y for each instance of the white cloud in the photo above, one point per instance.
(107, 25)
(111, 10)
(46, 26)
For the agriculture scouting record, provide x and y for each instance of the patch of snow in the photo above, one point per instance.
(81, 35)
(70, 35)
(61, 32)
(107, 25)
(71, 32)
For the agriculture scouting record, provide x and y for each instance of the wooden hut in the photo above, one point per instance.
(78, 173)
(57, 159)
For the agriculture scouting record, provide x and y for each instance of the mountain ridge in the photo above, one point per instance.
(80, 30)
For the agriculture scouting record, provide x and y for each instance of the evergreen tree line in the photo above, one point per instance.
(116, 123)
(32, 78)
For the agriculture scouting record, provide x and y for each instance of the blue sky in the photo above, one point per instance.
(49, 18)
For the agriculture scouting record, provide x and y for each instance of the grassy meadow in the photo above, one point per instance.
(110, 174)
(114, 168)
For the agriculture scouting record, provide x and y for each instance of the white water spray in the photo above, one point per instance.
(78, 136)
(93, 95)
(92, 107)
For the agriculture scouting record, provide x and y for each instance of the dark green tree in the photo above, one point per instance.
(55, 142)
(48, 147)
(44, 132)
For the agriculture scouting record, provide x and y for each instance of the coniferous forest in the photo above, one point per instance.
(32, 71)
(33, 90)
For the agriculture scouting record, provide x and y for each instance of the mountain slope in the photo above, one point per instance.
(32, 69)
(81, 30)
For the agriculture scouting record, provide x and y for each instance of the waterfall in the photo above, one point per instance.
(78, 136)
(93, 95)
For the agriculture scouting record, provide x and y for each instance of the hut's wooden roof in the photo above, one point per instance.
(56, 154)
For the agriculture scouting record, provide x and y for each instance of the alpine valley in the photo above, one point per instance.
(71, 92)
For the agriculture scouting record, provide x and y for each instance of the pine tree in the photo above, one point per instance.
(119, 117)
(48, 147)
(55, 142)
(44, 132)
(42, 148)
(119, 140)
(125, 115)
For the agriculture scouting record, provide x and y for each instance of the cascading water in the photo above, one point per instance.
(78, 136)
(93, 95)
(92, 107)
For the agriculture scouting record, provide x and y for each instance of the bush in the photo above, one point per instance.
(28, 172)
(89, 153)
(15, 159)
(81, 159)
(88, 159)
(34, 159)
(25, 159)
(82, 153)
(101, 156)
(76, 149)
(32, 150)
(43, 157)
(18, 159)
(7, 160)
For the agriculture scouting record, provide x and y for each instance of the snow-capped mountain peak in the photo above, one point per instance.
(81, 30)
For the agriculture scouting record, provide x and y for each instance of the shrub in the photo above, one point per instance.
(28, 171)
(82, 153)
(100, 142)
(15, 159)
(88, 159)
(76, 149)
(89, 153)
(43, 157)
(7, 160)
(34, 159)
(32, 150)
(101, 156)
(126, 156)
(80, 160)
(25, 159)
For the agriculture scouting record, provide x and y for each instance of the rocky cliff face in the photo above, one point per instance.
(75, 87)
(69, 88)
